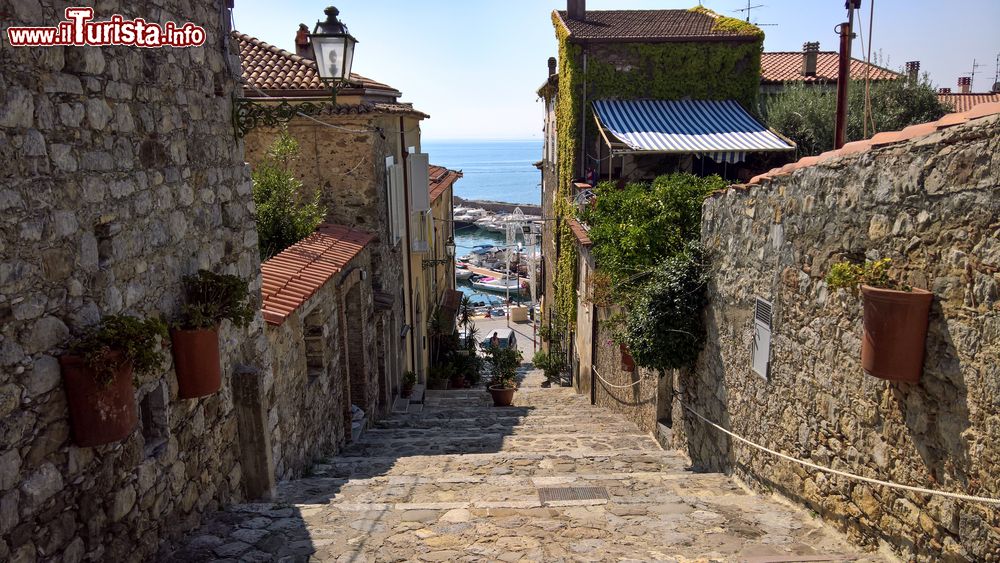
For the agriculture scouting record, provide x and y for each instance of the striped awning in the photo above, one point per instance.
(722, 130)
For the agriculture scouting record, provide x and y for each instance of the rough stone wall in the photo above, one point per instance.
(632, 394)
(120, 174)
(349, 170)
(306, 396)
(933, 207)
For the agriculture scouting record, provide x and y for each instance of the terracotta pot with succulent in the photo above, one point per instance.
(503, 374)
(210, 298)
(98, 370)
(409, 380)
(895, 319)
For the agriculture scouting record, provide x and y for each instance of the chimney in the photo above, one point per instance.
(944, 90)
(965, 84)
(576, 9)
(810, 56)
(552, 65)
(302, 47)
(913, 71)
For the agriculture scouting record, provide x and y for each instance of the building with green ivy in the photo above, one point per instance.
(635, 94)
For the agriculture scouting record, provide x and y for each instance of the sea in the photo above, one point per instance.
(494, 171)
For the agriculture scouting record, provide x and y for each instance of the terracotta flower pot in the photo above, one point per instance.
(196, 362)
(458, 382)
(99, 413)
(895, 333)
(407, 391)
(628, 364)
(502, 397)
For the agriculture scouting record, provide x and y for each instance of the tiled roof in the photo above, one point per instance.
(965, 102)
(645, 26)
(579, 232)
(294, 275)
(275, 70)
(883, 139)
(787, 67)
(440, 180)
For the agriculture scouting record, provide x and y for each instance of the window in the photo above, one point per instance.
(394, 199)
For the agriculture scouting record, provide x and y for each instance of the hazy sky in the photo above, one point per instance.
(474, 65)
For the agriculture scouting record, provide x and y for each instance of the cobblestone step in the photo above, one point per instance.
(494, 443)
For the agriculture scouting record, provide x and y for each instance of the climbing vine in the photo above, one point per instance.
(723, 70)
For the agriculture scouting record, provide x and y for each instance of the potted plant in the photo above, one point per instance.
(895, 319)
(98, 370)
(628, 362)
(552, 364)
(409, 380)
(503, 371)
(438, 378)
(210, 298)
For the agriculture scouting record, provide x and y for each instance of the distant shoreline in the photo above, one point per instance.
(499, 206)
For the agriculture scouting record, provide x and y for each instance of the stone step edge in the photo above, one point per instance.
(506, 480)
(585, 454)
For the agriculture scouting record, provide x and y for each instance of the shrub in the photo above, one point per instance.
(211, 297)
(503, 366)
(137, 339)
(286, 212)
(551, 364)
(663, 329)
(848, 275)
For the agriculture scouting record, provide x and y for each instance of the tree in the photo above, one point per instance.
(286, 211)
(807, 114)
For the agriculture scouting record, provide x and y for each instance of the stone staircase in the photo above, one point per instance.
(463, 480)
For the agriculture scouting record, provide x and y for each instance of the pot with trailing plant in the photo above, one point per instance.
(895, 319)
(209, 299)
(98, 370)
(409, 380)
(503, 374)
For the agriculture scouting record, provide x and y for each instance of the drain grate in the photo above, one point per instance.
(551, 494)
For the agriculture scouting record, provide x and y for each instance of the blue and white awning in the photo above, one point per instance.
(722, 130)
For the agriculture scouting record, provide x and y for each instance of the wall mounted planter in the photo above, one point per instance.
(895, 325)
(196, 361)
(99, 414)
(628, 363)
(502, 397)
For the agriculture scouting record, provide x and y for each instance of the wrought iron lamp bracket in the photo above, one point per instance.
(250, 113)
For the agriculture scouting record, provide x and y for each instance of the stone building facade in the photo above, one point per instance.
(931, 203)
(120, 174)
(319, 331)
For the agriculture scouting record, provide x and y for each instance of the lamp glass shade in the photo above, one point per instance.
(450, 247)
(334, 55)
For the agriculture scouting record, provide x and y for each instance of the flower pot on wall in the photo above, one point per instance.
(502, 397)
(895, 325)
(99, 412)
(196, 361)
(628, 364)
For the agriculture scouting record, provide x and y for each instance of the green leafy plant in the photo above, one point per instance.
(848, 275)
(664, 328)
(503, 364)
(210, 298)
(286, 211)
(551, 364)
(806, 114)
(138, 341)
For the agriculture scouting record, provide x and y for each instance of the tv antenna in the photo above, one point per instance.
(750, 8)
(976, 66)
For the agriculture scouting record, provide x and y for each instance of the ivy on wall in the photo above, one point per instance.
(724, 70)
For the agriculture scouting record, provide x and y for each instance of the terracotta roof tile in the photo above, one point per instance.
(965, 102)
(294, 275)
(786, 66)
(276, 70)
(440, 180)
(579, 232)
(882, 139)
(646, 26)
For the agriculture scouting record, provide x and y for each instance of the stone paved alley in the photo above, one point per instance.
(461, 480)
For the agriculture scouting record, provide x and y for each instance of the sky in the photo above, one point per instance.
(475, 65)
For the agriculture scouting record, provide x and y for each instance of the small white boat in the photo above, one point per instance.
(462, 274)
(497, 285)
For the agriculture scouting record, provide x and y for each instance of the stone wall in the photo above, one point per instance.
(632, 394)
(120, 175)
(931, 205)
(308, 395)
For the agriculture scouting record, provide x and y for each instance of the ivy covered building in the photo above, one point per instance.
(635, 94)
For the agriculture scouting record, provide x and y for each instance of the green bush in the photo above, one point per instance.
(807, 114)
(286, 211)
(848, 275)
(551, 364)
(503, 366)
(210, 298)
(137, 339)
(663, 329)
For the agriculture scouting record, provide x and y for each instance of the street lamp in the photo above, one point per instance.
(449, 247)
(333, 51)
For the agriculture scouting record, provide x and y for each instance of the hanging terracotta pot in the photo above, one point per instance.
(628, 364)
(99, 413)
(196, 362)
(895, 333)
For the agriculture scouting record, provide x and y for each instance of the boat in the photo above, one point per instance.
(462, 274)
(497, 285)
